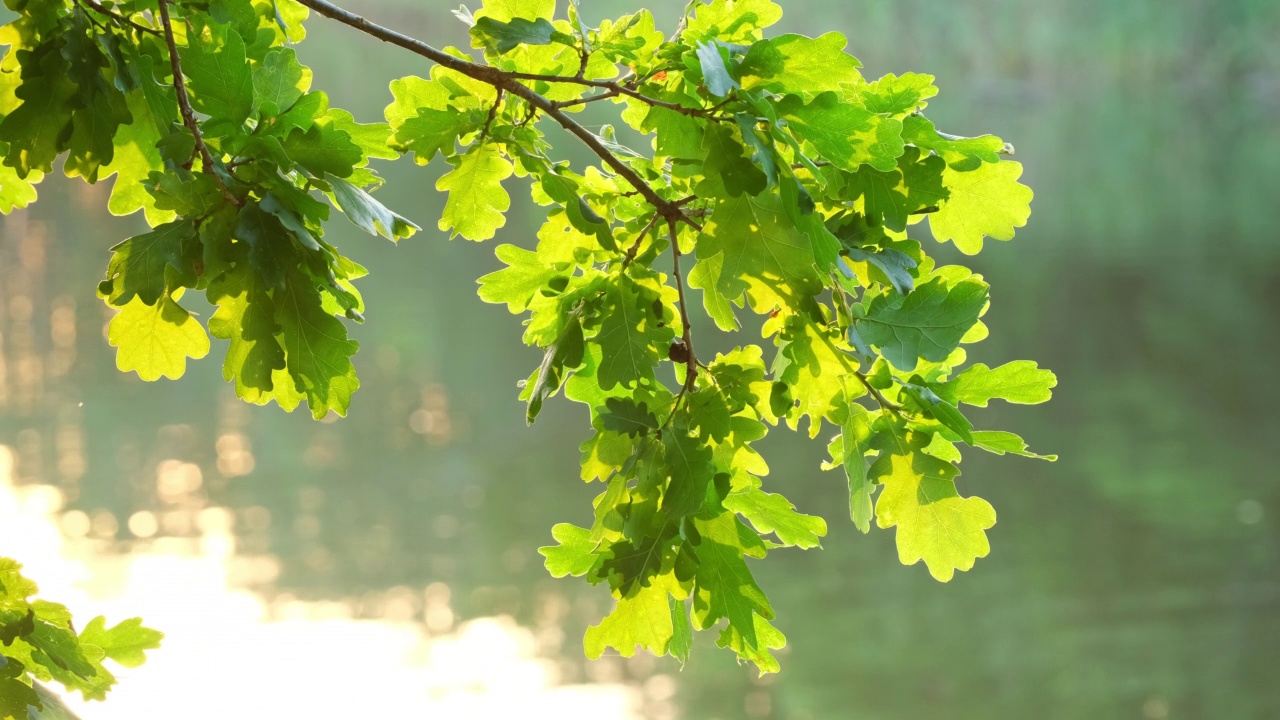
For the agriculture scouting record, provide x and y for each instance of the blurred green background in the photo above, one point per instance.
(1138, 577)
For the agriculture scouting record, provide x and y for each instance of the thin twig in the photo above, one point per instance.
(675, 408)
(880, 398)
(96, 22)
(184, 104)
(507, 81)
(98, 7)
(635, 247)
(493, 113)
(684, 20)
(583, 101)
(619, 89)
(691, 363)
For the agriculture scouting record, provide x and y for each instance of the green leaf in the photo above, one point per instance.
(371, 138)
(16, 696)
(814, 368)
(581, 215)
(37, 130)
(763, 254)
(928, 323)
(1020, 381)
(724, 586)
(732, 20)
(218, 74)
(681, 631)
(368, 214)
(767, 637)
(434, 131)
(563, 355)
(52, 613)
(136, 155)
(843, 133)
(987, 200)
(317, 351)
(503, 37)
(919, 131)
(802, 65)
(14, 588)
(575, 554)
(17, 192)
(476, 201)
(271, 248)
(156, 340)
(323, 150)
(61, 653)
(898, 96)
(246, 317)
(677, 135)
(516, 284)
(726, 164)
(279, 81)
(854, 443)
(690, 463)
(941, 410)
(628, 417)
(506, 10)
(769, 513)
(888, 198)
(631, 336)
(762, 150)
(934, 522)
(642, 620)
(186, 193)
(1000, 442)
(895, 265)
(715, 74)
(237, 13)
(125, 643)
(139, 265)
(16, 622)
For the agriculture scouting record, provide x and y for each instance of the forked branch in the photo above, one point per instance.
(510, 82)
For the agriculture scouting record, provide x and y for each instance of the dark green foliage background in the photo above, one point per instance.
(1147, 280)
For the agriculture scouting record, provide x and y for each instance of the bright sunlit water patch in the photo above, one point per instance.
(228, 653)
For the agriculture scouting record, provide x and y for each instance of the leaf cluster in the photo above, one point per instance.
(785, 182)
(39, 643)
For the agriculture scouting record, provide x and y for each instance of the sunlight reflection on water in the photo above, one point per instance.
(227, 653)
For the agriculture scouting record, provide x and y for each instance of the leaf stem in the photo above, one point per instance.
(691, 363)
(879, 397)
(635, 247)
(493, 113)
(184, 104)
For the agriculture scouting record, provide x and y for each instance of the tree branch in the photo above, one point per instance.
(616, 88)
(585, 100)
(509, 82)
(184, 104)
(99, 8)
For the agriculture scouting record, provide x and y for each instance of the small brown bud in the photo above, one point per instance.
(678, 352)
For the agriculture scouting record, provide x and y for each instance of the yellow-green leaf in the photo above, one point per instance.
(156, 340)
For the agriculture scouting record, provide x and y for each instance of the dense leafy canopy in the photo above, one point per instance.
(774, 175)
(38, 642)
